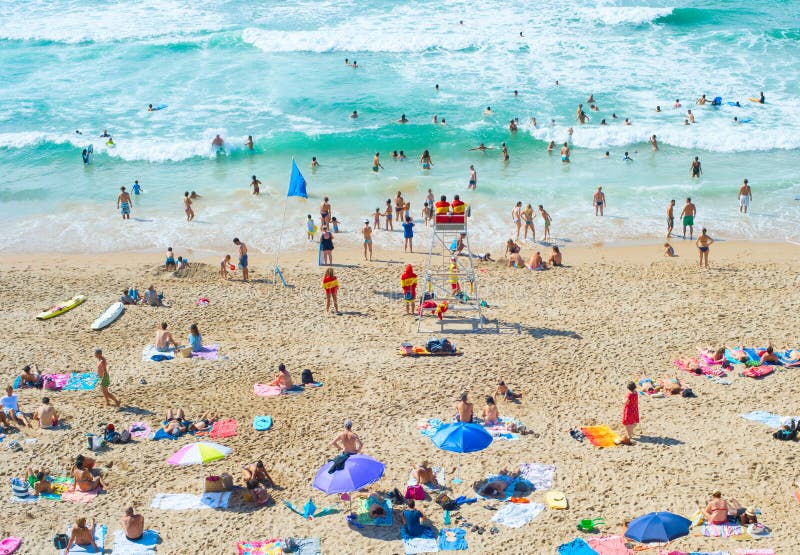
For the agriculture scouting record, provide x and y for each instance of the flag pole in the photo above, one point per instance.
(276, 270)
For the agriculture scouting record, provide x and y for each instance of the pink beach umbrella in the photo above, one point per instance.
(199, 453)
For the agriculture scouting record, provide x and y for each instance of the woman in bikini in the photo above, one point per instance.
(703, 243)
(425, 160)
(527, 217)
(491, 414)
(82, 535)
(716, 512)
(514, 256)
(84, 480)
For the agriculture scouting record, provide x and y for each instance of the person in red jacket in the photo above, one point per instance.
(408, 281)
(442, 206)
(458, 206)
(331, 285)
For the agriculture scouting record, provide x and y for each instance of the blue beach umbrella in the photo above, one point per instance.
(658, 527)
(461, 438)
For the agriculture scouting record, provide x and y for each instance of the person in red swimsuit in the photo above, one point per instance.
(630, 412)
(330, 284)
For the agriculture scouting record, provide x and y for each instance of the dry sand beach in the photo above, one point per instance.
(569, 339)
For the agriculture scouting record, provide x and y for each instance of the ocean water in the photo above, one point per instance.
(275, 70)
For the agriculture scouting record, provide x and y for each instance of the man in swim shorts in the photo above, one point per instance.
(687, 214)
(164, 338)
(242, 258)
(463, 409)
(745, 196)
(376, 162)
(124, 203)
(473, 178)
(670, 218)
(599, 201)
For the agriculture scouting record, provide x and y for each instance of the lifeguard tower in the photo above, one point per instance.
(450, 288)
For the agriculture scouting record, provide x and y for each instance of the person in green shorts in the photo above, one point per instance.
(105, 380)
(688, 213)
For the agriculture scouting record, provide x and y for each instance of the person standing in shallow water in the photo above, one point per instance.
(187, 207)
(124, 203)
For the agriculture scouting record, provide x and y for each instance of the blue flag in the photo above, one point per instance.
(297, 183)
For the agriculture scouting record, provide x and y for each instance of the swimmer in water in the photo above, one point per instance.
(654, 142)
(603, 122)
(255, 183)
(677, 103)
(626, 122)
(658, 108)
(701, 100)
(482, 147)
(249, 142)
(435, 119)
(403, 119)
(217, 142)
(314, 163)
(505, 152)
(627, 158)
(376, 162)
(354, 115)
(488, 111)
(149, 107)
(590, 100)
(443, 122)
(105, 134)
(690, 116)
(551, 146)
(761, 100)
(516, 92)
(533, 123)
(565, 153)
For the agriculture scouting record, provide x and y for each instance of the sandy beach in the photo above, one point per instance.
(569, 339)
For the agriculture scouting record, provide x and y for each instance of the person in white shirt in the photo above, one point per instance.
(11, 409)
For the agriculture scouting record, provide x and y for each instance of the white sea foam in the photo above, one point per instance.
(616, 15)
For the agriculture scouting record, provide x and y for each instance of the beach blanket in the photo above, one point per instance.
(262, 423)
(758, 371)
(78, 496)
(266, 390)
(438, 473)
(224, 428)
(208, 352)
(601, 436)
(665, 552)
(139, 429)
(708, 370)
(81, 382)
(58, 485)
(426, 543)
(720, 530)
(143, 546)
(307, 546)
(609, 545)
(511, 486)
(270, 547)
(161, 434)
(99, 539)
(767, 418)
(151, 354)
(516, 515)
(578, 546)
(186, 501)
(755, 552)
(55, 381)
(729, 356)
(453, 539)
(362, 512)
(540, 475)
(421, 351)
(26, 499)
(786, 358)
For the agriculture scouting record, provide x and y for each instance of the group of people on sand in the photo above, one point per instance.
(82, 535)
(151, 297)
(490, 415)
(514, 254)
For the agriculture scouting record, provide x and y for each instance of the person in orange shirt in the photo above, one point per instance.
(408, 281)
(331, 285)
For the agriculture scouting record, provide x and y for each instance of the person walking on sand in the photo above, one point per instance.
(105, 379)
(376, 162)
(687, 215)
(187, 207)
(670, 217)
(630, 413)
(408, 281)
(326, 246)
(366, 232)
(473, 178)
(516, 216)
(330, 284)
(124, 204)
(255, 185)
(703, 243)
(242, 258)
(696, 168)
(599, 201)
(745, 196)
(547, 221)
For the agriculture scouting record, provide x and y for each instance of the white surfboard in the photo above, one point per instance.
(108, 316)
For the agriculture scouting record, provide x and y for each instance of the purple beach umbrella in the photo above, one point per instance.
(359, 471)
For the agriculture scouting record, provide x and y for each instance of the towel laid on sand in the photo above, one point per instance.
(362, 513)
(266, 390)
(26, 499)
(208, 352)
(262, 423)
(99, 539)
(139, 429)
(516, 515)
(708, 370)
(151, 354)
(453, 539)
(720, 530)
(58, 485)
(609, 545)
(601, 436)
(269, 547)
(81, 382)
(666, 552)
(161, 434)
(426, 543)
(55, 381)
(224, 428)
(145, 545)
(578, 546)
(755, 552)
(78, 496)
(185, 501)
(540, 475)
(307, 546)
(767, 418)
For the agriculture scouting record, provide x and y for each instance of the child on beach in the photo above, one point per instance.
(335, 224)
(426, 216)
(376, 219)
(330, 284)
(388, 215)
(668, 250)
(505, 393)
(311, 228)
(169, 263)
(408, 235)
(224, 265)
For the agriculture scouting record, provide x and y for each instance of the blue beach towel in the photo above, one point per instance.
(82, 382)
(426, 543)
(452, 539)
(576, 547)
(262, 423)
(99, 539)
(161, 434)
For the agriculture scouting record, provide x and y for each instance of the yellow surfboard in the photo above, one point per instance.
(555, 500)
(61, 308)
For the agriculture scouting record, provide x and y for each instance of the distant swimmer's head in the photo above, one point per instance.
(437, 86)
(516, 93)
(443, 121)
(488, 108)
(150, 106)
(607, 154)
(658, 108)
(672, 202)
(122, 189)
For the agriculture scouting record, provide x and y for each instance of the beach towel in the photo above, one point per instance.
(139, 429)
(161, 434)
(81, 382)
(665, 552)
(503, 429)
(209, 352)
(143, 546)
(601, 436)
(151, 354)
(266, 390)
(24, 499)
(516, 515)
(609, 545)
(786, 358)
(362, 513)
(511, 486)
(578, 546)
(186, 501)
(262, 423)
(767, 418)
(540, 475)
(438, 473)
(270, 547)
(58, 485)
(758, 371)
(755, 552)
(78, 496)
(224, 428)
(9, 545)
(708, 370)
(99, 539)
(426, 543)
(429, 427)
(720, 530)
(55, 381)
(307, 546)
(453, 539)
(729, 356)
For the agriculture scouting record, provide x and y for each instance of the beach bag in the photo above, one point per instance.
(213, 485)
(124, 437)
(60, 541)
(446, 502)
(439, 346)
(306, 377)
(415, 492)
(687, 393)
(19, 488)
(186, 352)
(49, 382)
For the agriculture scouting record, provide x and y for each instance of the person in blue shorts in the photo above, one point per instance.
(242, 258)
(137, 189)
(124, 203)
(408, 235)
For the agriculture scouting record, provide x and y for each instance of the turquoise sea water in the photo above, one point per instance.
(275, 70)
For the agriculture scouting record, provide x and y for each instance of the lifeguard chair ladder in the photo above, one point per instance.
(437, 282)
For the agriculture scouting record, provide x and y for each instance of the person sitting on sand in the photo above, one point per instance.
(769, 356)
(491, 414)
(257, 472)
(84, 479)
(463, 409)
(668, 250)
(716, 512)
(195, 338)
(152, 298)
(556, 258)
(81, 535)
(204, 423)
(412, 521)
(284, 379)
(46, 415)
(164, 338)
(514, 256)
(424, 475)
(125, 298)
(11, 409)
(536, 262)
(174, 423)
(133, 525)
(31, 376)
(37, 479)
(506, 393)
(260, 495)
